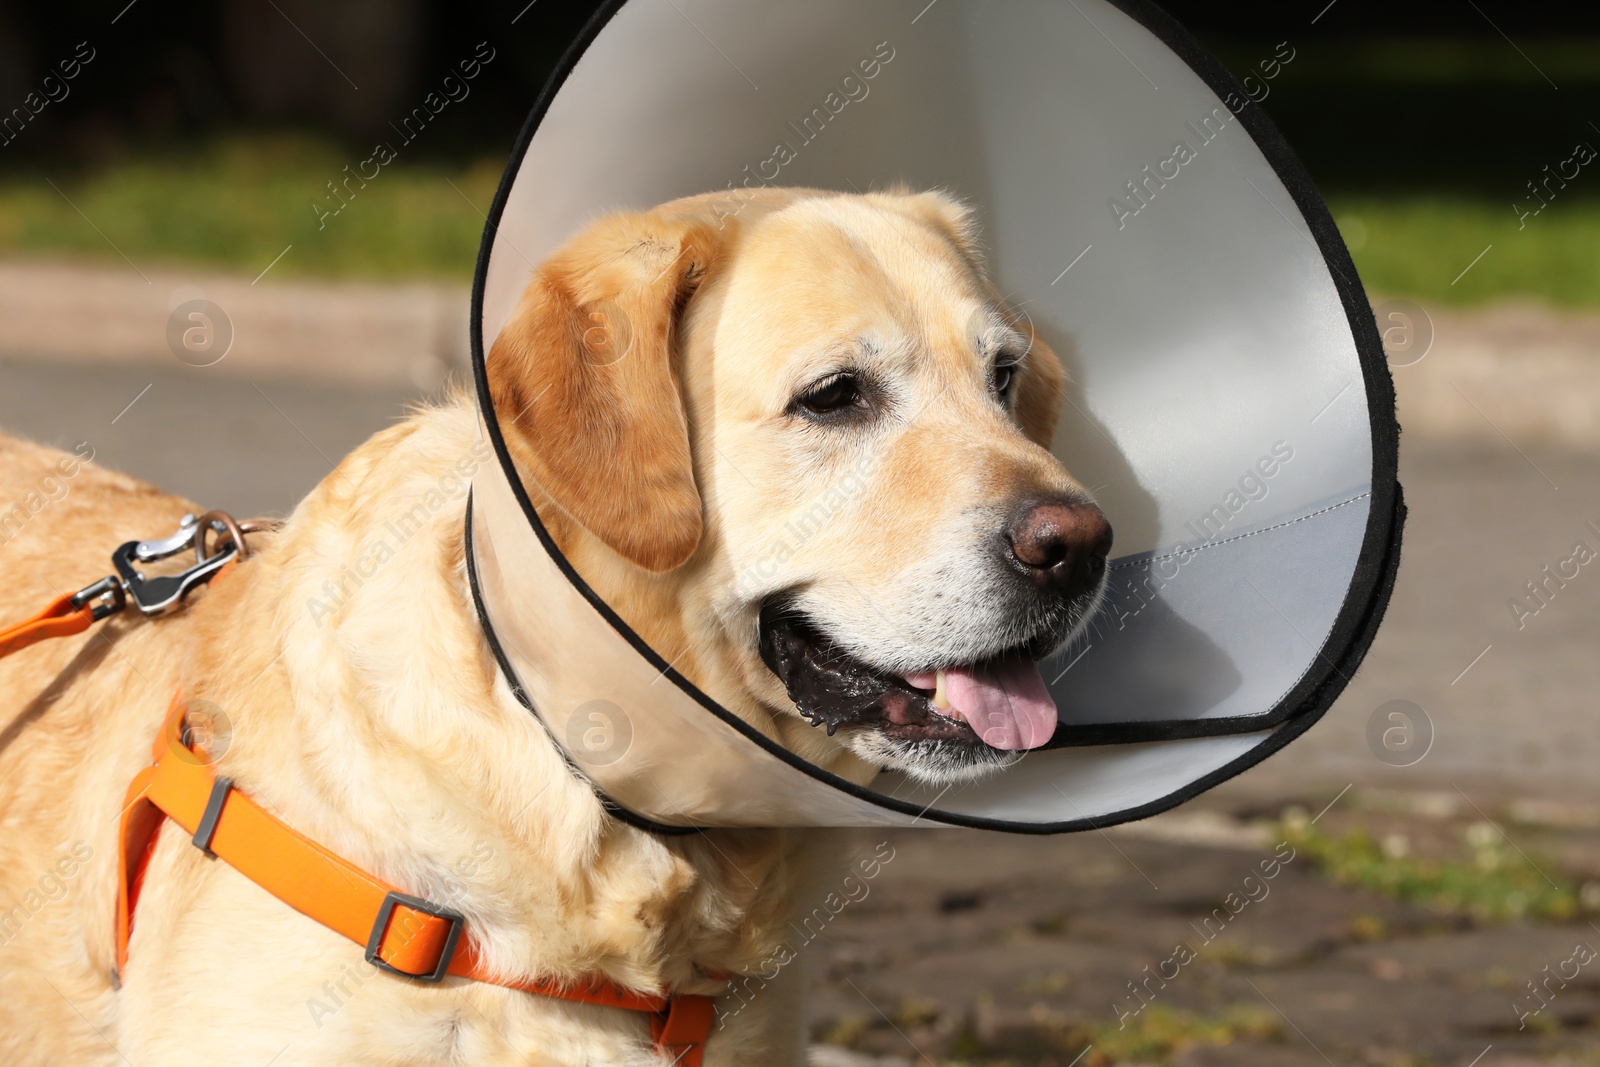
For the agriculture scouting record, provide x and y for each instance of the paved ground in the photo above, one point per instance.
(348, 331)
(1125, 950)
(248, 446)
(990, 949)
(1483, 523)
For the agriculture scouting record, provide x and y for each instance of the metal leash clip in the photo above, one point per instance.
(164, 593)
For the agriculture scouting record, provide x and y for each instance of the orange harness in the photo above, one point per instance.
(403, 935)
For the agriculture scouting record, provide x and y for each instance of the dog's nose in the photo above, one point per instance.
(1060, 545)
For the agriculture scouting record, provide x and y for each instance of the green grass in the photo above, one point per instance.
(236, 203)
(1156, 1035)
(1492, 881)
(1418, 246)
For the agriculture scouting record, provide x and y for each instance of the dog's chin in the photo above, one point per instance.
(931, 761)
(881, 716)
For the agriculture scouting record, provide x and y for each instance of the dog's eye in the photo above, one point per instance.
(833, 394)
(1004, 375)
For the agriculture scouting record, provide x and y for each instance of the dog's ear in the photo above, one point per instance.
(584, 380)
(1039, 390)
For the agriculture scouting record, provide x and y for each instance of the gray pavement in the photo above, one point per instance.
(249, 447)
(1525, 717)
(984, 949)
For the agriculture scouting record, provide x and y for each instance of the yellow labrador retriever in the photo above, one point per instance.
(772, 352)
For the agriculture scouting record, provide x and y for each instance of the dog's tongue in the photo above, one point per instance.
(1006, 703)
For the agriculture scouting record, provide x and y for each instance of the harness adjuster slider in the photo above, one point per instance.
(207, 829)
(380, 927)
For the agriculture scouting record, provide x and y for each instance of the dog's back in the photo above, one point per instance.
(76, 716)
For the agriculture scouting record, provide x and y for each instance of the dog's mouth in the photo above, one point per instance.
(1000, 701)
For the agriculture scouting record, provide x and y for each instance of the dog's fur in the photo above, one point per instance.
(370, 715)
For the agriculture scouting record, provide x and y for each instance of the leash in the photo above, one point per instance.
(402, 934)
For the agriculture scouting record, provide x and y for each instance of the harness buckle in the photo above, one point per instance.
(380, 927)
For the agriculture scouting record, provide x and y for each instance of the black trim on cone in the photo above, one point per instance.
(1372, 580)
(612, 807)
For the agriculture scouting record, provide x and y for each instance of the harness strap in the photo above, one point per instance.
(61, 619)
(402, 934)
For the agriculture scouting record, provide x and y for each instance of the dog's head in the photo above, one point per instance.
(798, 442)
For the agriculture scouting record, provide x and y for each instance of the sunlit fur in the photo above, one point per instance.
(378, 725)
(886, 531)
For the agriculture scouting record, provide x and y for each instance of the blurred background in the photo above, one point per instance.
(1443, 822)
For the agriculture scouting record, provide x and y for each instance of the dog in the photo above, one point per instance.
(674, 385)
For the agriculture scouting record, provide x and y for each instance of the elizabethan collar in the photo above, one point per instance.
(1229, 399)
